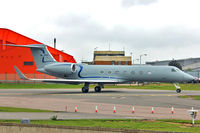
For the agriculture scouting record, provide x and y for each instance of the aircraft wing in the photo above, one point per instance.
(68, 81)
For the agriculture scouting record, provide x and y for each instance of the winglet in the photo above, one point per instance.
(20, 74)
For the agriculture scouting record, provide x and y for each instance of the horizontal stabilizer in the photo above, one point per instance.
(40, 46)
(20, 74)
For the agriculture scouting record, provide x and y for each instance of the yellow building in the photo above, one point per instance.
(111, 58)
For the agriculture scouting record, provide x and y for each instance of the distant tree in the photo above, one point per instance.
(189, 69)
(175, 63)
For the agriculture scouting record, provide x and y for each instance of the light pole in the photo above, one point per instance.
(132, 58)
(141, 57)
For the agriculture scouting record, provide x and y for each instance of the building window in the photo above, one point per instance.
(113, 62)
(126, 62)
(28, 63)
(119, 62)
(109, 72)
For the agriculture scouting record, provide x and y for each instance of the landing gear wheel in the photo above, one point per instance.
(178, 90)
(97, 89)
(85, 90)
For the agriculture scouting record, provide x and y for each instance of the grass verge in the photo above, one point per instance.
(163, 86)
(154, 125)
(194, 97)
(36, 86)
(160, 86)
(13, 109)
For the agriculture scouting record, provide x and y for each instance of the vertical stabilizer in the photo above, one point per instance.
(40, 54)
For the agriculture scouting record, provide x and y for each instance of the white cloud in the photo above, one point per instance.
(164, 29)
(129, 3)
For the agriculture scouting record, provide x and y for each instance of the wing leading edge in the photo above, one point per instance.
(67, 81)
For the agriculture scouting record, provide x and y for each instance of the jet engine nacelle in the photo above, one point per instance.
(61, 69)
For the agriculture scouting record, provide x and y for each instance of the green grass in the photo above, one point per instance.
(13, 109)
(161, 86)
(155, 125)
(194, 97)
(36, 86)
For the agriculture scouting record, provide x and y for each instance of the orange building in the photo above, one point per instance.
(22, 57)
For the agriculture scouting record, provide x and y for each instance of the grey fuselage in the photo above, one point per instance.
(122, 73)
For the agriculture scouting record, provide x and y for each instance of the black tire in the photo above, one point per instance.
(97, 89)
(178, 90)
(85, 90)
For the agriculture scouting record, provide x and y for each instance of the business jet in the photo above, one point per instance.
(76, 73)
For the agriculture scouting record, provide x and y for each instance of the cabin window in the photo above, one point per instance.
(117, 72)
(133, 72)
(125, 72)
(109, 72)
(101, 72)
(149, 73)
(141, 72)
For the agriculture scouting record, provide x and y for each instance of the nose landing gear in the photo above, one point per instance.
(178, 88)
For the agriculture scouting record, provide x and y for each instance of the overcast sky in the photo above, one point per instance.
(162, 29)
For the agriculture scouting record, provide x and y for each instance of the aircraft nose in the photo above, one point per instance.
(188, 78)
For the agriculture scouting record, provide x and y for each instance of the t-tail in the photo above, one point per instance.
(40, 54)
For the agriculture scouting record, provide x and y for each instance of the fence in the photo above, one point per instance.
(14, 78)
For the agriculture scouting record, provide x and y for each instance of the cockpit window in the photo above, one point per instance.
(173, 70)
(177, 70)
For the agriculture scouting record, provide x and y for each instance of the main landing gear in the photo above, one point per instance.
(178, 88)
(97, 89)
(85, 89)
